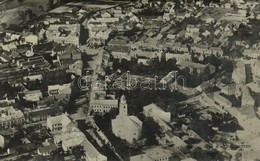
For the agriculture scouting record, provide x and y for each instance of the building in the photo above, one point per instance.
(161, 117)
(64, 33)
(66, 53)
(201, 49)
(256, 70)
(179, 47)
(2, 141)
(169, 78)
(120, 52)
(200, 68)
(102, 103)
(60, 91)
(239, 73)
(179, 57)
(123, 122)
(171, 138)
(43, 113)
(104, 20)
(247, 99)
(10, 117)
(153, 154)
(222, 101)
(46, 150)
(33, 96)
(68, 136)
(228, 89)
(58, 123)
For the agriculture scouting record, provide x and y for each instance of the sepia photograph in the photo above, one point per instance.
(129, 80)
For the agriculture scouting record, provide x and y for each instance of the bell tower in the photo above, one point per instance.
(123, 106)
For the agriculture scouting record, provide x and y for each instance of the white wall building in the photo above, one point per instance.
(126, 127)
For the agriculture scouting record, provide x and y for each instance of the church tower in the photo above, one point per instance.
(123, 106)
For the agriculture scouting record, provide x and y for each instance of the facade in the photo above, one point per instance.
(123, 122)
(58, 123)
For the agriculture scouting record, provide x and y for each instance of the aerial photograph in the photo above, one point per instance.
(129, 80)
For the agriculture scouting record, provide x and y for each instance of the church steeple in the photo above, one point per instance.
(123, 106)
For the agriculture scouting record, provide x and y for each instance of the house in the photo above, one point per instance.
(193, 28)
(43, 113)
(59, 123)
(46, 150)
(4, 57)
(200, 68)
(217, 51)
(33, 96)
(252, 53)
(201, 49)
(145, 2)
(145, 54)
(247, 99)
(2, 141)
(221, 100)
(32, 39)
(104, 20)
(169, 78)
(66, 53)
(143, 61)
(159, 116)
(105, 14)
(179, 57)
(256, 70)
(153, 154)
(67, 136)
(123, 122)
(171, 138)
(179, 47)
(121, 52)
(33, 62)
(239, 73)
(229, 89)
(102, 103)
(33, 78)
(10, 117)
(60, 91)
(204, 86)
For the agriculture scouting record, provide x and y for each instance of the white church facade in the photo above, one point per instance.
(126, 127)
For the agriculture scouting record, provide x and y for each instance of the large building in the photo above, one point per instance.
(10, 117)
(159, 116)
(60, 91)
(123, 122)
(58, 123)
(239, 73)
(102, 103)
(67, 135)
(64, 33)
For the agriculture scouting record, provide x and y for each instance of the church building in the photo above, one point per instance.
(126, 127)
